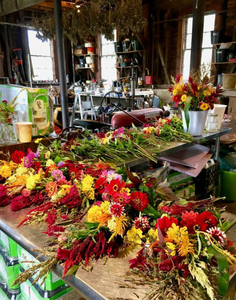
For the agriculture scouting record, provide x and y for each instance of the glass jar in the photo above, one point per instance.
(212, 123)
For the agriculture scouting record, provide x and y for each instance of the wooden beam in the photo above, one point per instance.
(10, 6)
(64, 4)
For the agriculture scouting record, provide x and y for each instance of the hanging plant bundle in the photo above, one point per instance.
(94, 17)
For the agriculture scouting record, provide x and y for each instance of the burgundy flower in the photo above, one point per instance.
(63, 254)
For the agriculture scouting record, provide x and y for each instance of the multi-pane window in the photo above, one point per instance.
(209, 23)
(41, 57)
(108, 59)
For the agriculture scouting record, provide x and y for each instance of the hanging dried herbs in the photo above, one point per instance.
(94, 17)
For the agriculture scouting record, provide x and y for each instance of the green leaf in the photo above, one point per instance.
(199, 244)
(150, 211)
(223, 267)
(91, 225)
(186, 110)
(72, 270)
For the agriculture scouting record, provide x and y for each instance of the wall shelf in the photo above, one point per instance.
(228, 43)
(224, 63)
(129, 67)
(140, 52)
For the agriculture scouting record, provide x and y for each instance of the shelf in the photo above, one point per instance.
(92, 54)
(129, 67)
(224, 63)
(130, 52)
(228, 43)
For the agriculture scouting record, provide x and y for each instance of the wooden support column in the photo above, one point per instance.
(61, 62)
(197, 33)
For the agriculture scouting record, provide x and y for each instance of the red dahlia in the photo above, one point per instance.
(139, 200)
(17, 156)
(100, 184)
(206, 220)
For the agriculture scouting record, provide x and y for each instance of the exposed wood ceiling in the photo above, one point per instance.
(10, 6)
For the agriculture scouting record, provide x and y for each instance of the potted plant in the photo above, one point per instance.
(194, 97)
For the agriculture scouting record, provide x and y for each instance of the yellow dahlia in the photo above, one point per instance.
(5, 171)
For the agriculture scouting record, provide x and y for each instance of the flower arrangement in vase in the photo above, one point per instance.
(194, 97)
(7, 131)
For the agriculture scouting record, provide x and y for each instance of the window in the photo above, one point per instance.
(108, 59)
(209, 24)
(41, 57)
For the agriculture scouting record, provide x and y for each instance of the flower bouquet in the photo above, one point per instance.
(198, 95)
(191, 255)
(7, 131)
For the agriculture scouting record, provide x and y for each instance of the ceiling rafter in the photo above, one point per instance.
(10, 6)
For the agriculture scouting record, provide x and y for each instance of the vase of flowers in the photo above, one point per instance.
(194, 97)
(7, 121)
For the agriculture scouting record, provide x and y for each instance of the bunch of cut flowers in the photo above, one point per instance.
(197, 94)
(191, 256)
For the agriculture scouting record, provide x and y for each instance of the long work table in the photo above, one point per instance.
(108, 281)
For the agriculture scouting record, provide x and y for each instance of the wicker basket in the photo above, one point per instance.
(229, 81)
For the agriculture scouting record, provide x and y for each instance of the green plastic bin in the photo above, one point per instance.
(8, 244)
(9, 269)
(227, 185)
(30, 292)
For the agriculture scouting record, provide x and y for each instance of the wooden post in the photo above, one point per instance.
(197, 33)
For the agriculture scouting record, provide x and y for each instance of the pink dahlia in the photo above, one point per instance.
(217, 235)
(142, 223)
(116, 209)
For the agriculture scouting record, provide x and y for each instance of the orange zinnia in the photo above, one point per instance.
(51, 188)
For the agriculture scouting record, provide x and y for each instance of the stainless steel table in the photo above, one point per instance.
(106, 281)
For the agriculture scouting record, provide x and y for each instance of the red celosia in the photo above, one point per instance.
(91, 247)
(165, 223)
(51, 217)
(17, 156)
(63, 254)
(72, 199)
(5, 199)
(54, 230)
(100, 184)
(139, 200)
(139, 261)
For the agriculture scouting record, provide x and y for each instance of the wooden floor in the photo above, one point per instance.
(230, 214)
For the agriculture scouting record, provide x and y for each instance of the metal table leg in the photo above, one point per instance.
(217, 150)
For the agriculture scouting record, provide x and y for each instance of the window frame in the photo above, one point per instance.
(51, 56)
(113, 54)
(185, 48)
